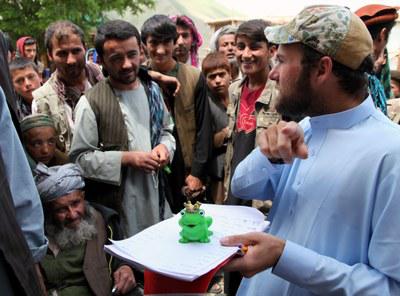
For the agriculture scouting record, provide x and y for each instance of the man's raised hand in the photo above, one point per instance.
(284, 140)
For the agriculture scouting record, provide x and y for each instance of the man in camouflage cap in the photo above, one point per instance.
(334, 186)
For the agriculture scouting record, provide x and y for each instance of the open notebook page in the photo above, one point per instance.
(157, 248)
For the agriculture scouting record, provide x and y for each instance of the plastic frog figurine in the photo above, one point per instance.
(194, 224)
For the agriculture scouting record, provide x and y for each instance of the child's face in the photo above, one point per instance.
(40, 142)
(25, 81)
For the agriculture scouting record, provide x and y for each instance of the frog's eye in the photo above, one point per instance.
(201, 212)
(183, 212)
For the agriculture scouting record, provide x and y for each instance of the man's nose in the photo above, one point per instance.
(72, 214)
(27, 82)
(273, 74)
(180, 40)
(160, 49)
(45, 148)
(127, 63)
(246, 52)
(71, 59)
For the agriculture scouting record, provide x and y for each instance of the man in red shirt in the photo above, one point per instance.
(252, 99)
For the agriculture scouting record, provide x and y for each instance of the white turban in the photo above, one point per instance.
(57, 181)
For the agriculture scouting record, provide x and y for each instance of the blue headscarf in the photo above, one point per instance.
(377, 93)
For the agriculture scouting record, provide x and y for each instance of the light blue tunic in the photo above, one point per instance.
(338, 210)
(28, 208)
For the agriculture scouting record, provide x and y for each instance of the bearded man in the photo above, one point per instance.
(65, 44)
(75, 263)
(335, 190)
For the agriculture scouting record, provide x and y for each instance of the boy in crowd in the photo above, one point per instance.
(39, 139)
(216, 69)
(26, 79)
(27, 48)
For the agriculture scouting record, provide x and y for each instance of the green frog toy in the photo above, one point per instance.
(194, 224)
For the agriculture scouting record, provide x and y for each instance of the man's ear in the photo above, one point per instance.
(49, 55)
(324, 69)
(142, 48)
(383, 35)
(272, 50)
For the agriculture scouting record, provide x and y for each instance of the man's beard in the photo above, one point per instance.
(67, 238)
(302, 101)
(181, 51)
(126, 77)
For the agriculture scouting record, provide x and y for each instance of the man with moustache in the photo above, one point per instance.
(123, 134)
(189, 41)
(224, 41)
(58, 96)
(334, 219)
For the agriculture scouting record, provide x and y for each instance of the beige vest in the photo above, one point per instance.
(266, 115)
(184, 109)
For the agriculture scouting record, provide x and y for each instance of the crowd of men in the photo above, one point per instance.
(291, 119)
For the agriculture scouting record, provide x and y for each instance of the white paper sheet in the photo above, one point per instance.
(157, 248)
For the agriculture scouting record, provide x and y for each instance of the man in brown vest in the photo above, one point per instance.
(189, 109)
(123, 135)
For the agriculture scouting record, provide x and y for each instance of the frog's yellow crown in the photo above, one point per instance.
(192, 208)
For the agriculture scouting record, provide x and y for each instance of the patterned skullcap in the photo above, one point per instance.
(38, 120)
(57, 181)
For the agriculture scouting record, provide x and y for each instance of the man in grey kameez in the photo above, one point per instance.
(130, 102)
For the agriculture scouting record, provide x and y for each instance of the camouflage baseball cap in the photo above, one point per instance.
(329, 29)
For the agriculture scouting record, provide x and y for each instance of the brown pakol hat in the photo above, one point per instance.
(376, 14)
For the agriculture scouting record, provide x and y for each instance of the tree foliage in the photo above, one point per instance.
(31, 17)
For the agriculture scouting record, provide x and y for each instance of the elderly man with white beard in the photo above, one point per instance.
(75, 263)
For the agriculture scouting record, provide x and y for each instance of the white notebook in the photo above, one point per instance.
(157, 248)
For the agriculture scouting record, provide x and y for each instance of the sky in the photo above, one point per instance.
(264, 8)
